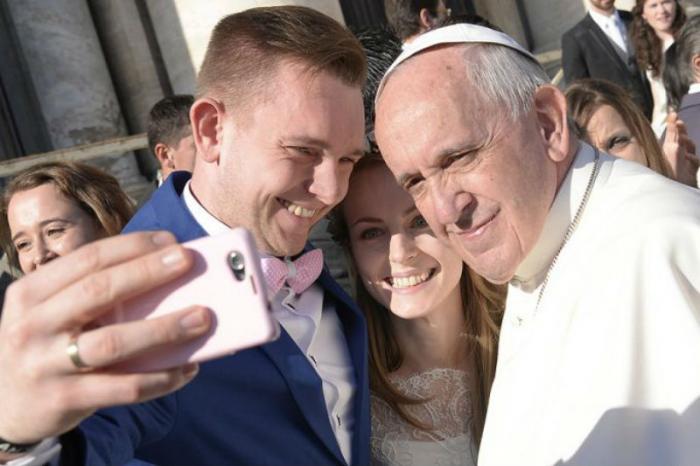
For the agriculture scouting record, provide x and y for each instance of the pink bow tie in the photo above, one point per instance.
(298, 274)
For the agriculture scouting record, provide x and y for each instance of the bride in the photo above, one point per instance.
(432, 326)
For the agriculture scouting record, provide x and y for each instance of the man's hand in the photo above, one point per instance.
(42, 393)
(679, 151)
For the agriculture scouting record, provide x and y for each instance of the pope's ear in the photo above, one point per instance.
(550, 110)
(206, 117)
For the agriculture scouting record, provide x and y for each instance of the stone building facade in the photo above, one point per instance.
(80, 71)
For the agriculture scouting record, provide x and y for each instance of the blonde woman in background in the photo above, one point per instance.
(53, 208)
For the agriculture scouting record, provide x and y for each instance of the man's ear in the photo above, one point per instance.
(550, 110)
(206, 117)
(425, 19)
(162, 153)
(695, 63)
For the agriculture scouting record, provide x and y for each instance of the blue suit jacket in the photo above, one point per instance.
(260, 406)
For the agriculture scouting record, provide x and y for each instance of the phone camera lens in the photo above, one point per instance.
(237, 263)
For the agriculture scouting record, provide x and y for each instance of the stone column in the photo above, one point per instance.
(136, 69)
(548, 20)
(183, 28)
(504, 14)
(70, 76)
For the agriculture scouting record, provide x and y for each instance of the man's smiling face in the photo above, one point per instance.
(287, 161)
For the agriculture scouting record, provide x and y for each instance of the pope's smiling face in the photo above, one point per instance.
(483, 183)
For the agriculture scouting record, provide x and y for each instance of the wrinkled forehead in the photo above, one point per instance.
(436, 68)
(429, 87)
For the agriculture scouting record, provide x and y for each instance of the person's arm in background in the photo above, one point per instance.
(42, 393)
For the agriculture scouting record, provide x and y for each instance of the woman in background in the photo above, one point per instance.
(432, 323)
(607, 118)
(54, 208)
(654, 26)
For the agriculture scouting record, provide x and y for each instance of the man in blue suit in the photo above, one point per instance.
(278, 126)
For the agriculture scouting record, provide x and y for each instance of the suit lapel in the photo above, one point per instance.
(305, 385)
(172, 213)
(599, 38)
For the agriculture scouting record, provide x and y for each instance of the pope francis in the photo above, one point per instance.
(599, 358)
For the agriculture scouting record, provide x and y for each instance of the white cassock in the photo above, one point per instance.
(606, 371)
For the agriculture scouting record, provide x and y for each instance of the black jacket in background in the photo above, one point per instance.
(588, 53)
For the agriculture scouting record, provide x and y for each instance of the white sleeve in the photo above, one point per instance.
(41, 454)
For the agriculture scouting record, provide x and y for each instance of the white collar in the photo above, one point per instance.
(601, 19)
(667, 43)
(532, 270)
(209, 223)
(694, 88)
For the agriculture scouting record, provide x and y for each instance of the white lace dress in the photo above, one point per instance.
(396, 442)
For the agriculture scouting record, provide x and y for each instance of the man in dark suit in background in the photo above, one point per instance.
(599, 47)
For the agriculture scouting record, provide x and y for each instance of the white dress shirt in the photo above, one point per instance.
(605, 371)
(613, 27)
(314, 326)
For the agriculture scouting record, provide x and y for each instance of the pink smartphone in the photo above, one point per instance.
(226, 278)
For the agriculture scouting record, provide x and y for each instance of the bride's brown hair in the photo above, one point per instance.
(482, 303)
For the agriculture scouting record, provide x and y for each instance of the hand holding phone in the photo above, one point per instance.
(226, 278)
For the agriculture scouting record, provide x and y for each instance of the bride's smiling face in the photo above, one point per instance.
(399, 260)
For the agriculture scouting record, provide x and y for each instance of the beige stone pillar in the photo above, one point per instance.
(183, 28)
(70, 75)
(549, 19)
(131, 63)
(135, 70)
(504, 14)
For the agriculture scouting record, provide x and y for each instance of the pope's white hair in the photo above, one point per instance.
(504, 76)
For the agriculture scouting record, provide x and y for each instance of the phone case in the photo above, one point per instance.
(226, 278)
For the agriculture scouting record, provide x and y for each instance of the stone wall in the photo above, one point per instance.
(183, 28)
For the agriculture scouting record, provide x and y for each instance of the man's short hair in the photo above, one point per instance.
(687, 46)
(403, 16)
(169, 120)
(245, 48)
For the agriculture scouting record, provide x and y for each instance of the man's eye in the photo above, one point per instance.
(350, 160)
(413, 185)
(302, 151)
(462, 158)
(371, 233)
